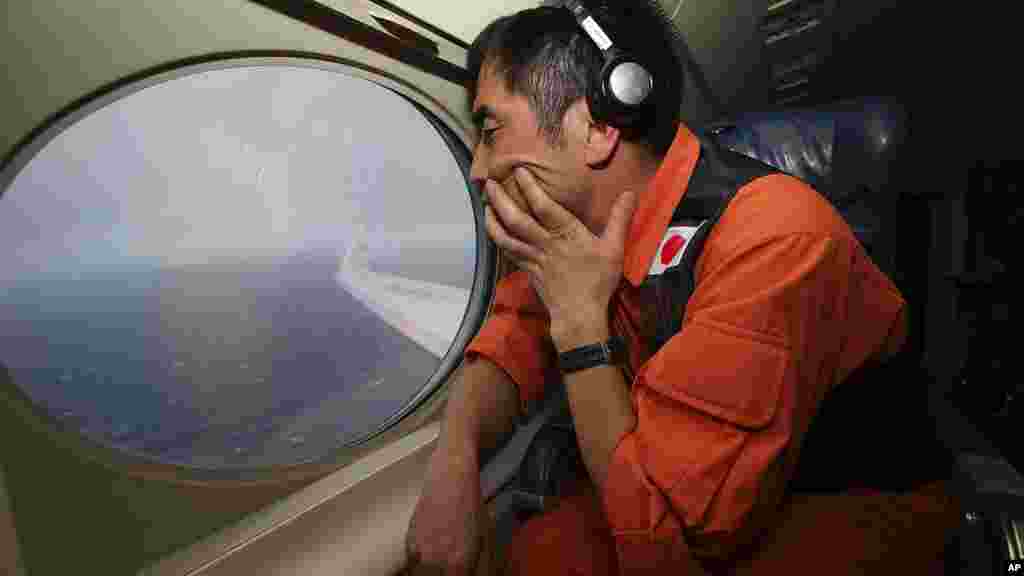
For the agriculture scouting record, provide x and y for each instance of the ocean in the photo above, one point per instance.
(226, 364)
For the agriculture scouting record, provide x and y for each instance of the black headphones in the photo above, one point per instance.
(624, 94)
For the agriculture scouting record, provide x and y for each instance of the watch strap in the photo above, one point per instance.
(607, 352)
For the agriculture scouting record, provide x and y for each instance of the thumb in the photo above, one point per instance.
(620, 218)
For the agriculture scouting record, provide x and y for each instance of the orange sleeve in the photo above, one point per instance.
(715, 406)
(873, 302)
(516, 337)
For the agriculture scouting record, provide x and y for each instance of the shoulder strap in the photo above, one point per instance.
(719, 174)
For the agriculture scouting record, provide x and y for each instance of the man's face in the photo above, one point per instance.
(508, 137)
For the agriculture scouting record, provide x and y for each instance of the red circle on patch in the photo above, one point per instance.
(672, 247)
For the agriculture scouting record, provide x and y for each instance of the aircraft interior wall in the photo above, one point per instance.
(74, 508)
(10, 556)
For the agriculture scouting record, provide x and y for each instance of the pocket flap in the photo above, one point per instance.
(726, 372)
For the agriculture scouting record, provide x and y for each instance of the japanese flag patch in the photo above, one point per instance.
(673, 245)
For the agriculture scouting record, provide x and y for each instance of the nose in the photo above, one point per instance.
(478, 170)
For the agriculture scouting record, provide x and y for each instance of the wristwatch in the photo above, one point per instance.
(611, 351)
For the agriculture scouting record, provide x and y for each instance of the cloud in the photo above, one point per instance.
(246, 162)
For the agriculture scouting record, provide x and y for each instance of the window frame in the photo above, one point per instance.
(414, 415)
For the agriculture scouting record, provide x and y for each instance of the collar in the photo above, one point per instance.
(654, 212)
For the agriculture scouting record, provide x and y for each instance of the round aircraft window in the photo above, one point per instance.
(239, 264)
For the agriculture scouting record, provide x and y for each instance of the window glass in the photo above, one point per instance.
(236, 267)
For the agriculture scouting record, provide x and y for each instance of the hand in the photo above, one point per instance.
(445, 534)
(574, 272)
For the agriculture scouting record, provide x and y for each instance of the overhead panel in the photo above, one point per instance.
(798, 36)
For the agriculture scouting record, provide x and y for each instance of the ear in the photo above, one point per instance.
(598, 139)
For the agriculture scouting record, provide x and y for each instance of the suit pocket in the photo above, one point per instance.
(698, 402)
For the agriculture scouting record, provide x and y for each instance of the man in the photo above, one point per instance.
(687, 449)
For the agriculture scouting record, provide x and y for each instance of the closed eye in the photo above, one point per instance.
(487, 135)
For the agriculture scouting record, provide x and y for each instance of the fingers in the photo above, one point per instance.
(511, 189)
(520, 252)
(516, 221)
(552, 216)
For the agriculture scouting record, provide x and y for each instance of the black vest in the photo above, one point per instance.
(718, 175)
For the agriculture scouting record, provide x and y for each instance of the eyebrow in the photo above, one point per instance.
(481, 114)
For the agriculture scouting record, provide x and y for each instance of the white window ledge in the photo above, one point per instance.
(351, 522)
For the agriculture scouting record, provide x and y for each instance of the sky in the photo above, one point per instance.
(244, 162)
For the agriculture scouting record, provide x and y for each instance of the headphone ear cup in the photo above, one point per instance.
(604, 106)
(625, 90)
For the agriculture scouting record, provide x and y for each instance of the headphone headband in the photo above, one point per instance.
(589, 25)
(625, 87)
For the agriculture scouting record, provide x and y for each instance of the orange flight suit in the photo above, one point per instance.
(787, 304)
